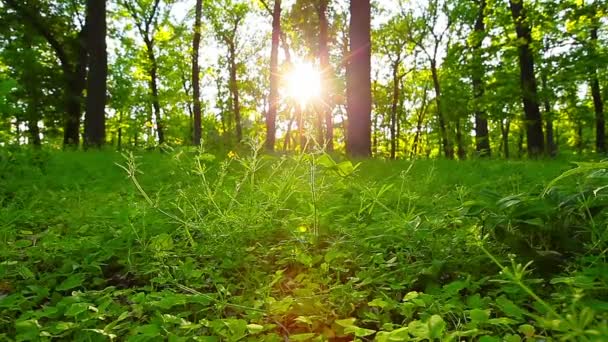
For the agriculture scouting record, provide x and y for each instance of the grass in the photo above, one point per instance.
(254, 247)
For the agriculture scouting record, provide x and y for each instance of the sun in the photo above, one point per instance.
(303, 83)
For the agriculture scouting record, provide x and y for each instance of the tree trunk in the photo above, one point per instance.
(421, 115)
(598, 104)
(326, 89)
(504, 129)
(234, 89)
(154, 89)
(550, 143)
(462, 152)
(358, 80)
(196, 73)
(533, 120)
(95, 117)
(271, 115)
(482, 139)
(448, 150)
(394, 105)
(119, 141)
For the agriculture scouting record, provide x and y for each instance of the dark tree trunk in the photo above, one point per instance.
(598, 104)
(326, 104)
(271, 115)
(358, 80)
(482, 139)
(154, 89)
(448, 149)
(505, 128)
(533, 120)
(196, 73)
(95, 117)
(32, 124)
(73, 102)
(234, 89)
(394, 108)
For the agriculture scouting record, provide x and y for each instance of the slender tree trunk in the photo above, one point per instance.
(95, 117)
(271, 115)
(32, 123)
(326, 72)
(421, 115)
(300, 118)
(234, 89)
(448, 149)
(119, 141)
(154, 89)
(505, 129)
(394, 105)
(358, 80)
(596, 93)
(462, 152)
(533, 120)
(482, 139)
(550, 143)
(196, 73)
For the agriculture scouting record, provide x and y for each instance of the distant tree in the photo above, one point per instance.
(273, 99)
(146, 16)
(358, 80)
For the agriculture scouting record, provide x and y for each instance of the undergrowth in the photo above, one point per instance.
(196, 246)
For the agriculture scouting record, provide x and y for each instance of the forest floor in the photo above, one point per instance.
(245, 247)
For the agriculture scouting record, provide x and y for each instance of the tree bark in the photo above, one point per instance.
(421, 116)
(95, 117)
(598, 104)
(533, 120)
(482, 140)
(358, 80)
(394, 104)
(326, 89)
(154, 88)
(196, 73)
(550, 143)
(462, 152)
(505, 128)
(271, 115)
(448, 149)
(234, 89)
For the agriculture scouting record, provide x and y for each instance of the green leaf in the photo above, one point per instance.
(162, 242)
(359, 332)
(301, 337)
(377, 302)
(74, 280)
(325, 160)
(526, 329)
(509, 308)
(77, 308)
(255, 328)
(479, 316)
(348, 322)
(436, 326)
(27, 330)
